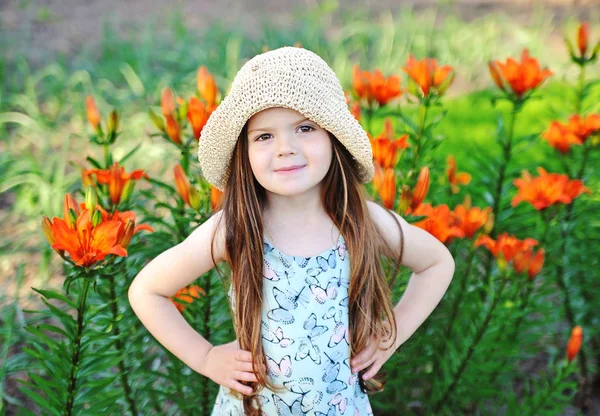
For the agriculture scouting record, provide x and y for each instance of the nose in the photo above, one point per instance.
(286, 145)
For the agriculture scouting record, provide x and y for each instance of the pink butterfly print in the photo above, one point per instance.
(276, 337)
(341, 249)
(270, 272)
(340, 332)
(322, 295)
(283, 367)
(352, 379)
(339, 402)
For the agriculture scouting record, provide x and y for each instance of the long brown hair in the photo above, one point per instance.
(344, 199)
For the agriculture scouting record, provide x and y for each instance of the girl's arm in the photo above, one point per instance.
(169, 272)
(432, 266)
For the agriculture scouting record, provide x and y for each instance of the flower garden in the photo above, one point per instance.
(515, 199)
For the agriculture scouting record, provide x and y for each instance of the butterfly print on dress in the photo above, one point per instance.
(305, 338)
(304, 386)
(284, 367)
(276, 337)
(307, 347)
(287, 301)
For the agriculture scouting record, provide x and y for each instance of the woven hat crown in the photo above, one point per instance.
(288, 77)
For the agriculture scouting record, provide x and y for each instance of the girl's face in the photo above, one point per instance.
(288, 153)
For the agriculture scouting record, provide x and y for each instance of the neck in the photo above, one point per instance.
(300, 209)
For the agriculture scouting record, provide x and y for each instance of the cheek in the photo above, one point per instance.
(258, 161)
(323, 155)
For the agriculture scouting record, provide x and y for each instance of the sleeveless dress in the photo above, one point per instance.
(305, 338)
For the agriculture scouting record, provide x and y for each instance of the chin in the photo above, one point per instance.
(288, 188)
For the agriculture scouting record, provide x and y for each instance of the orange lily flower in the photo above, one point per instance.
(356, 111)
(127, 220)
(374, 87)
(560, 138)
(216, 197)
(187, 296)
(585, 127)
(207, 87)
(421, 188)
(585, 53)
(583, 36)
(182, 183)
(470, 219)
(385, 184)
(521, 76)
(526, 261)
(167, 102)
(547, 189)
(428, 75)
(505, 245)
(198, 114)
(117, 180)
(168, 107)
(93, 114)
(85, 243)
(173, 130)
(455, 179)
(385, 147)
(438, 223)
(575, 342)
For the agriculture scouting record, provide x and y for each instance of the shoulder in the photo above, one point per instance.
(211, 231)
(391, 226)
(420, 249)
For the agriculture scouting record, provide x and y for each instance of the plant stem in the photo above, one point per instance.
(76, 358)
(463, 365)
(501, 176)
(560, 267)
(123, 371)
(556, 381)
(417, 146)
(454, 312)
(106, 156)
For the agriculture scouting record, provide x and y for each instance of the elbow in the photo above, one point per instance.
(446, 262)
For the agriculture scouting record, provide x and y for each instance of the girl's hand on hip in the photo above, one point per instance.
(373, 357)
(227, 365)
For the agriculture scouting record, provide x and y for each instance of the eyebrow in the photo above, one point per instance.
(268, 128)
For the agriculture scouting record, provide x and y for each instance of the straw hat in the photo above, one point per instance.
(288, 77)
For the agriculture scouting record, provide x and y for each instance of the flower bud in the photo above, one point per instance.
(91, 198)
(157, 120)
(127, 190)
(194, 198)
(127, 233)
(113, 123)
(96, 217)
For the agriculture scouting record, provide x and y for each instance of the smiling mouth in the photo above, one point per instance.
(290, 169)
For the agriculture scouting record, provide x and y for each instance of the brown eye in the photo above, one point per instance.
(258, 139)
(310, 127)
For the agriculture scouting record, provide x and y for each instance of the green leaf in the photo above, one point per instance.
(129, 154)
(49, 294)
(94, 162)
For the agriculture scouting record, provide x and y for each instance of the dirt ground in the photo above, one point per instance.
(41, 28)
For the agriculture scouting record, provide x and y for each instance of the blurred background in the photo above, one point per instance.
(55, 53)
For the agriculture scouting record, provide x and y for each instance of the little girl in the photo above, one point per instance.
(311, 305)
